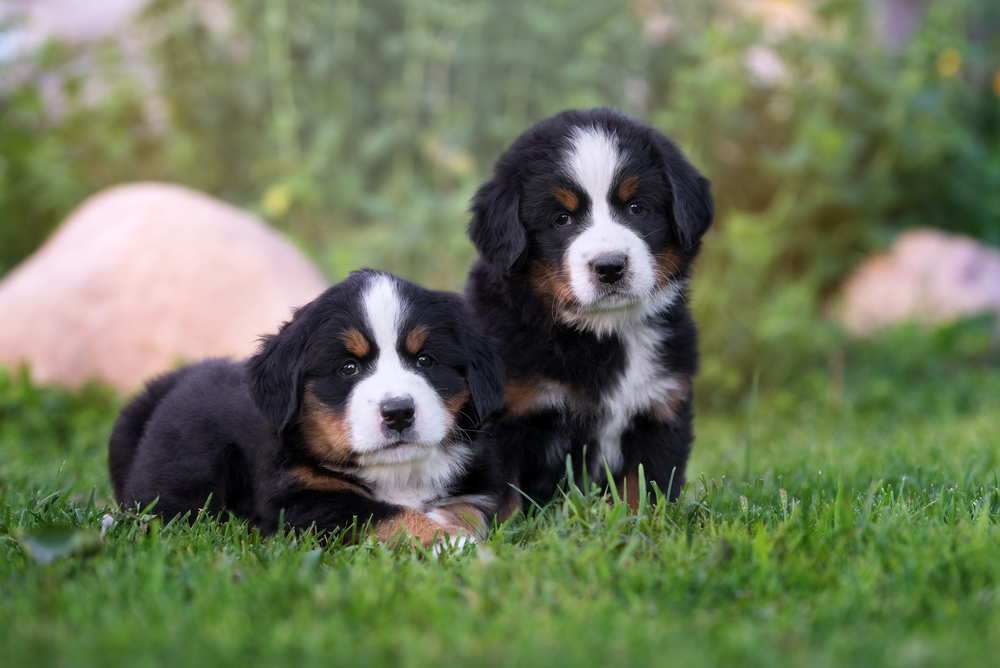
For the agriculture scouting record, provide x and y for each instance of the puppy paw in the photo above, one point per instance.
(429, 528)
(442, 517)
(453, 543)
(464, 517)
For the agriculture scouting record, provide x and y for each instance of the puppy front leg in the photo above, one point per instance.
(468, 516)
(331, 511)
(628, 489)
(429, 528)
(329, 501)
(662, 449)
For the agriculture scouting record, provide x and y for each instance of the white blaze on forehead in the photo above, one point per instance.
(593, 162)
(385, 312)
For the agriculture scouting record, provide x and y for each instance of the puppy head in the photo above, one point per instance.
(600, 213)
(377, 371)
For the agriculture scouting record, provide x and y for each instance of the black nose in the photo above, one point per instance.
(397, 413)
(610, 267)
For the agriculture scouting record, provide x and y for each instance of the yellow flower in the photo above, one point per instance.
(277, 199)
(996, 83)
(949, 61)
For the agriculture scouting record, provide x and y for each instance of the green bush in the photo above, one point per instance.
(362, 130)
(850, 142)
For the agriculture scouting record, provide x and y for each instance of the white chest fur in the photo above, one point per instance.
(416, 483)
(643, 386)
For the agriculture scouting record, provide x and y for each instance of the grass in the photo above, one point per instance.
(864, 532)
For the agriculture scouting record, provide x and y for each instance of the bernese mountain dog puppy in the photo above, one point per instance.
(362, 406)
(586, 236)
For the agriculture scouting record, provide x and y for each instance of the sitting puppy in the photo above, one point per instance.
(359, 407)
(586, 236)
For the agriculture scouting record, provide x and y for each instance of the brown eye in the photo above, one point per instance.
(563, 220)
(425, 361)
(636, 209)
(349, 369)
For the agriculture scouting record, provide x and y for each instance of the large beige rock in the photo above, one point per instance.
(928, 276)
(142, 276)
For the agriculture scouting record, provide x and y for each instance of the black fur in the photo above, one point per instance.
(232, 431)
(513, 229)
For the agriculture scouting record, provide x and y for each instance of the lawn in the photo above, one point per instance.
(849, 519)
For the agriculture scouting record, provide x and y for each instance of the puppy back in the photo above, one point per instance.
(131, 425)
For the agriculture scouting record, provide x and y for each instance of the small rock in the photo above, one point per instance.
(928, 276)
(143, 276)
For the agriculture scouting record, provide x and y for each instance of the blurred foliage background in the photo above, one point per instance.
(362, 130)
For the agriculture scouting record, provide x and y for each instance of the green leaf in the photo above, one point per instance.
(52, 542)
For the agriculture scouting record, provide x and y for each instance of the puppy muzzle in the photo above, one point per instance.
(609, 268)
(397, 414)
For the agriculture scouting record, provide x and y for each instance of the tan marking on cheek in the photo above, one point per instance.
(453, 407)
(551, 282)
(567, 198)
(628, 488)
(415, 339)
(320, 480)
(669, 263)
(413, 523)
(356, 342)
(666, 409)
(325, 430)
(628, 188)
(457, 402)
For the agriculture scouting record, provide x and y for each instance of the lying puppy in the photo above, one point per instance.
(586, 236)
(360, 407)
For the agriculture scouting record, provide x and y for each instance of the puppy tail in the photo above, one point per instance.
(131, 425)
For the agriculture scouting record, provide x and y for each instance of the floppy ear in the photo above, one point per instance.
(694, 208)
(496, 229)
(485, 375)
(274, 375)
(484, 370)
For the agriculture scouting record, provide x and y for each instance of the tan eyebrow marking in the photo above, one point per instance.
(415, 339)
(356, 342)
(628, 188)
(567, 198)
